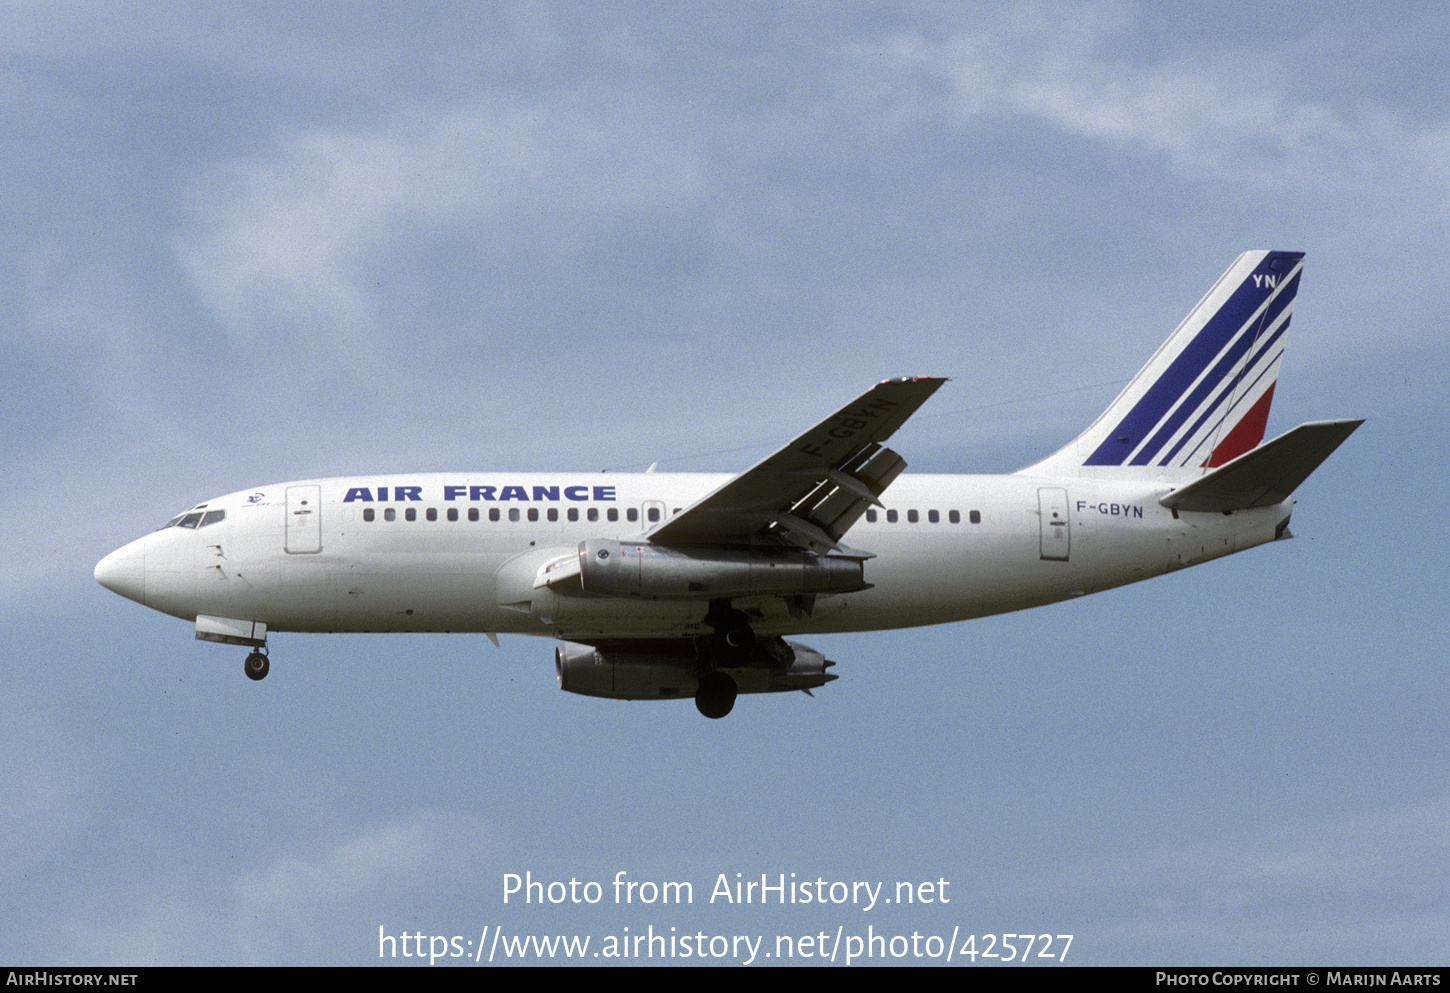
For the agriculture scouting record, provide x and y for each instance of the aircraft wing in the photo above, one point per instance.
(810, 492)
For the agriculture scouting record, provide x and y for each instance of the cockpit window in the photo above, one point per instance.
(195, 519)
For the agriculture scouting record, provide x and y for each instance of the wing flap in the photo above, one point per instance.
(1265, 476)
(810, 492)
(843, 495)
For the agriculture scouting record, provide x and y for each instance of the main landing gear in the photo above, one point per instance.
(730, 645)
(257, 665)
(716, 694)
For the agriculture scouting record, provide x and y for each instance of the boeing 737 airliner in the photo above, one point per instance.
(659, 586)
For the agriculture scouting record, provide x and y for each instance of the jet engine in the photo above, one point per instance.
(668, 669)
(658, 572)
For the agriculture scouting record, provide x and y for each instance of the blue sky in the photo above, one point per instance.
(245, 245)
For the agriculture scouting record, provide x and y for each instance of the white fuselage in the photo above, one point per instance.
(444, 552)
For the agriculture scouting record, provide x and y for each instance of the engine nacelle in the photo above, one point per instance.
(639, 569)
(668, 670)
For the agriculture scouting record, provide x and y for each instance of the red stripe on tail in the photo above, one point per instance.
(1246, 434)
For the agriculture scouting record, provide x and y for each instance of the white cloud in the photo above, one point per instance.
(299, 908)
(380, 856)
(288, 238)
(1241, 113)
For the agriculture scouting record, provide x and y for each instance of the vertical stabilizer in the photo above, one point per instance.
(1203, 398)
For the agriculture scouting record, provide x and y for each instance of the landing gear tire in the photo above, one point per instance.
(716, 695)
(739, 638)
(257, 666)
(734, 638)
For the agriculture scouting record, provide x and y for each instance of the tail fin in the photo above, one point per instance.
(1203, 398)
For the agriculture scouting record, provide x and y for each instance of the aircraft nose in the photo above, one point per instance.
(124, 572)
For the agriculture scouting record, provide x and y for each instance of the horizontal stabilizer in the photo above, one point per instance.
(1265, 476)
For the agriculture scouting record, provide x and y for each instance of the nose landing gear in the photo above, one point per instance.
(257, 665)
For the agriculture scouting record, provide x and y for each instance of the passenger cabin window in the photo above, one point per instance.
(200, 518)
(914, 516)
